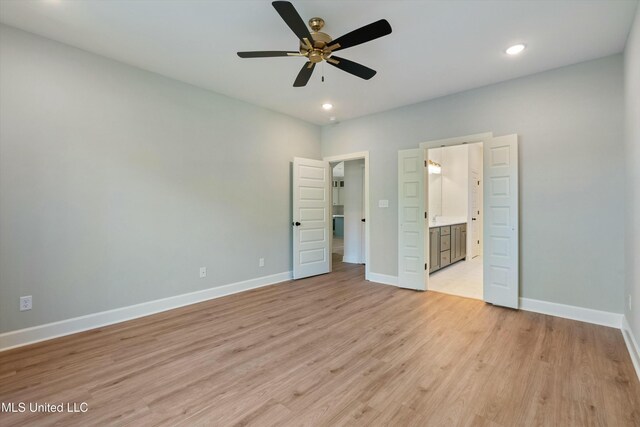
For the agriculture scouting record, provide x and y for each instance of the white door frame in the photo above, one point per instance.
(458, 140)
(367, 224)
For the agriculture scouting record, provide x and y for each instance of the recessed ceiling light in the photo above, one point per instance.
(326, 106)
(515, 49)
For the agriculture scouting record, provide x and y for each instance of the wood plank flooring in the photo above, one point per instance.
(331, 350)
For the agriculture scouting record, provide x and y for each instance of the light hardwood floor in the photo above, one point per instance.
(331, 350)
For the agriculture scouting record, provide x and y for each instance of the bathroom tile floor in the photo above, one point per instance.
(463, 279)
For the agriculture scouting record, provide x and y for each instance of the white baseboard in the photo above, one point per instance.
(383, 279)
(632, 344)
(604, 318)
(588, 315)
(48, 331)
(352, 260)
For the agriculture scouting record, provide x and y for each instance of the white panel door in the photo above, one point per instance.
(413, 236)
(501, 284)
(363, 229)
(311, 217)
(475, 213)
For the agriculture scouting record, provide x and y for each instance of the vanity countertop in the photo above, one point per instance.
(446, 223)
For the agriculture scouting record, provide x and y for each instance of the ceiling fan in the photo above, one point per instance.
(317, 46)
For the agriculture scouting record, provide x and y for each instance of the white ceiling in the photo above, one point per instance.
(436, 48)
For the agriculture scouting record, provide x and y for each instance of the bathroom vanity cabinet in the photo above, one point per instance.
(447, 245)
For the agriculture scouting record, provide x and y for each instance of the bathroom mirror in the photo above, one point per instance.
(435, 182)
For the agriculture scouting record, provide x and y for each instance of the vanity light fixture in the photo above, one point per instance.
(327, 106)
(434, 168)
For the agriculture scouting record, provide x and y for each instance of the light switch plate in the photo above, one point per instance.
(383, 203)
(203, 272)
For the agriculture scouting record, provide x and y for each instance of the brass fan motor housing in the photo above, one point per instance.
(316, 23)
(317, 50)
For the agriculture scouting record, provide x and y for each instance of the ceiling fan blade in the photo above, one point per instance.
(352, 67)
(267, 54)
(304, 75)
(291, 17)
(361, 35)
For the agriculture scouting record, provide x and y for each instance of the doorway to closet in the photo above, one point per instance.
(348, 211)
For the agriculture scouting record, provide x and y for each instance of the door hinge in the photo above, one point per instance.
(425, 215)
(425, 265)
(478, 241)
(478, 182)
(425, 163)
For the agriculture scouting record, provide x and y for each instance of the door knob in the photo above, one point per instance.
(363, 220)
(473, 219)
(297, 224)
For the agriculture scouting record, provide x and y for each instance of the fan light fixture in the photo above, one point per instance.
(435, 168)
(316, 46)
(327, 106)
(515, 49)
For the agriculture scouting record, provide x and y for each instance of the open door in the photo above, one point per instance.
(475, 212)
(363, 229)
(501, 259)
(413, 226)
(311, 217)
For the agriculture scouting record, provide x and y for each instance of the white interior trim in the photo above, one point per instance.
(458, 140)
(351, 260)
(367, 209)
(597, 317)
(383, 279)
(632, 344)
(48, 331)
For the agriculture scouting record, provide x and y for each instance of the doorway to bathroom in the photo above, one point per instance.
(497, 248)
(455, 219)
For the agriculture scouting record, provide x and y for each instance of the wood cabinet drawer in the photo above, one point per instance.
(445, 258)
(445, 230)
(445, 242)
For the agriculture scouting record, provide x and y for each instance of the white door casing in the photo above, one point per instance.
(500, 251)
(413, 236)
(312, 217)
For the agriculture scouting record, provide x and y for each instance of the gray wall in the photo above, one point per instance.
(632, 155)
(117, 184)
(570, 127)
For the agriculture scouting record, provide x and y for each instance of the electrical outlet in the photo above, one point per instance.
(26, 303)
(261, 262)
(203, 272)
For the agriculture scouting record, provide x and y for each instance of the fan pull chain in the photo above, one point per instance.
(323, 72)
